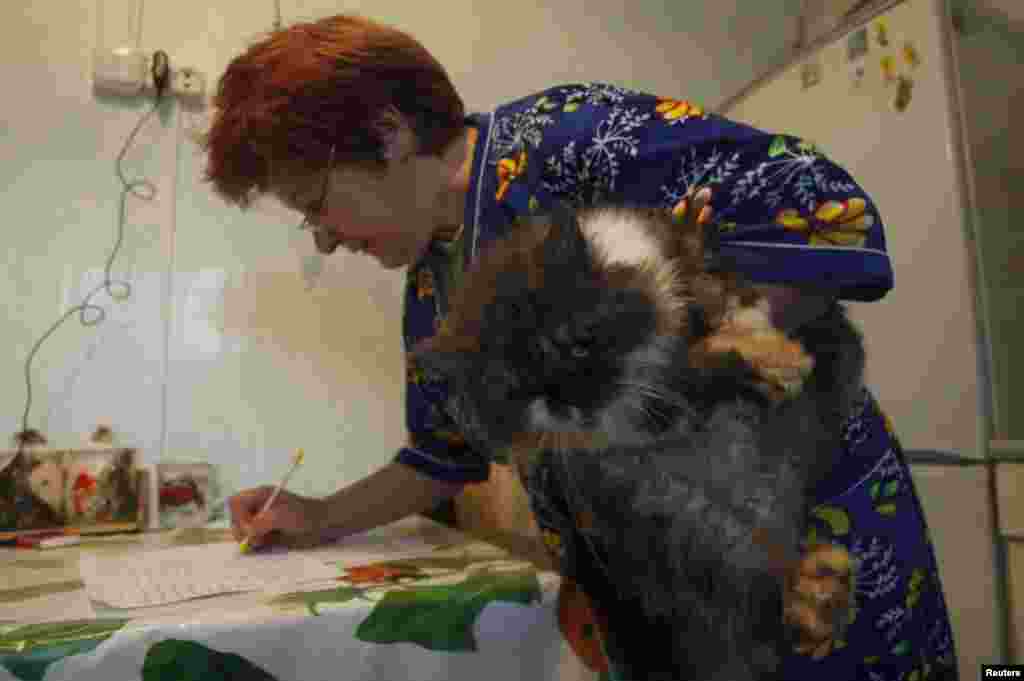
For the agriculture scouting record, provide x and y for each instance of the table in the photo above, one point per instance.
(460, 609)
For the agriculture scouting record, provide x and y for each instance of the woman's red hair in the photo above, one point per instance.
(285, 101)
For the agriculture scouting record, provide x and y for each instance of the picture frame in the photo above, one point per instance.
(88, 490)
(186, 494)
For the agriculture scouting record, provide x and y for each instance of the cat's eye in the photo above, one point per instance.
(579, 351)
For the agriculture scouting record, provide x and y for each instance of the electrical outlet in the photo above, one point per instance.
(123, 72)
(128, 72)
(189, 86)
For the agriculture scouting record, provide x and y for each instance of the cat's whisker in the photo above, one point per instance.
(656, 392)
(660, 399)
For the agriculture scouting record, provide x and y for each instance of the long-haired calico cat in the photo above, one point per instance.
(646, 401)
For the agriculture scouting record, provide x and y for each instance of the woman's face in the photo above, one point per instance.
(393, 214)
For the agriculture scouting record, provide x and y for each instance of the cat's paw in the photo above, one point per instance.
(780, 363)
(818, 599)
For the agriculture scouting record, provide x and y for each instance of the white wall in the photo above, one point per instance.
(221, 353)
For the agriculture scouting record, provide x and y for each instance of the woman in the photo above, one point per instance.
(357, 126)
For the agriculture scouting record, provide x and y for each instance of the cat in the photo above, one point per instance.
(647, 403)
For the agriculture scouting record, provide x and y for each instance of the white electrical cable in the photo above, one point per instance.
(99, 27)
(138, 24)
(168, 301)
(141, 189)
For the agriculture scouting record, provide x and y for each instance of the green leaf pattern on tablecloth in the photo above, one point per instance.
(441, 617)
(177, 660)
(310, 601)
(27, 650)
(431, 601)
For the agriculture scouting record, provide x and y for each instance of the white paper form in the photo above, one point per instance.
(375, 546)
(70, 605)
(186, 572)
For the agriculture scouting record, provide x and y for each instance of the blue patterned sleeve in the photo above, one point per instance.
(436, 448)
(787, 213)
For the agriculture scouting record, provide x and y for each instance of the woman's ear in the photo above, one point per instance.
(399, 143)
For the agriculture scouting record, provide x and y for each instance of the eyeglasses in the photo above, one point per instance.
(326, 241)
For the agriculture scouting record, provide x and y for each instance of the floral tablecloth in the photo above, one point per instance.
(461, 609)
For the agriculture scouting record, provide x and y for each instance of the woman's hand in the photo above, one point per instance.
(757, 334)
(292, 520)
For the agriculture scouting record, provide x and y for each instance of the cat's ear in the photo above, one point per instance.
(711, 244)
(565, 244)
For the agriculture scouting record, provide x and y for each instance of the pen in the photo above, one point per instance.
(296, 460)
(44, 538)
(57, 542)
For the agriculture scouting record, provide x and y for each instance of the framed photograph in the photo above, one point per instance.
(92, 490)
(186, 493)
(31, 491)
(101, 487)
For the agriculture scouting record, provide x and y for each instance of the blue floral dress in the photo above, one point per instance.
(787, 215)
